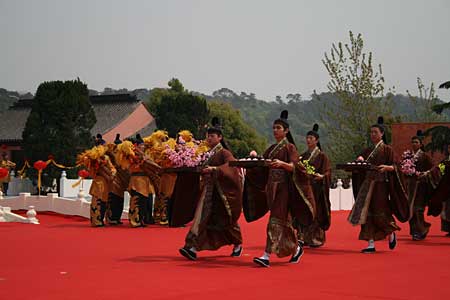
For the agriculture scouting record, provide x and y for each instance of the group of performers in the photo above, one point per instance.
(293, 188)
(114, 169)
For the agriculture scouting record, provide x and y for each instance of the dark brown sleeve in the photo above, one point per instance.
(432, 180)
(225, 170)
(293, 154)
(399, 199)
(254, 199)
(440, 194)
(428, 162)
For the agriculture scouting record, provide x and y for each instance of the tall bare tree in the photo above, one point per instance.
(359, 86)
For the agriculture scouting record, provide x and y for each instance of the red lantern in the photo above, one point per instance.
(83, 174)
(3, 172)
(40, 165)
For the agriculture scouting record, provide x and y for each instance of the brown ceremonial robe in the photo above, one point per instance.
(314, 235)
(440, 200)
(379, 195)
(288, 196)
(181, 204)
(219, 206)
(418, 192)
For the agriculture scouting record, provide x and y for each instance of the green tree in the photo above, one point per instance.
(423, 103)
(240, 136)
(294, 98)
(440, 138)
(359, 87)
(438, 108)
(176, 109)
(155, 97)
(59, 124)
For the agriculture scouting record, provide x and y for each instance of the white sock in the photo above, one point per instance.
(371, 244)
(193, 250)
(391, 237)
(265, 256)
(237, 248)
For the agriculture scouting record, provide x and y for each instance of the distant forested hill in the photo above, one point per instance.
(302, 113)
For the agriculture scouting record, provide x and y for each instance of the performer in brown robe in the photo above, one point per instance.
(220, 203)
(418, 190)
(380, 194)
(283, 189)
(439, 178)
(314, 235)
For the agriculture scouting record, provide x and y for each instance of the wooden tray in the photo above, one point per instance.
(197, 169)
(350, 167)
(250, 163)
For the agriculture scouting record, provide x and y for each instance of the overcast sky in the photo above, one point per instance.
(266, 47)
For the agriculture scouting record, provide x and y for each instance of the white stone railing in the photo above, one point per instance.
(6, 215)
(340, 198)
(51, 202)
(65, 186)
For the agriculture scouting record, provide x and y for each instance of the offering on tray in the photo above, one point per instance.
(355, 166)
(250, 162)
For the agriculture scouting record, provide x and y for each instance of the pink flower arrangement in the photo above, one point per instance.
(408, 163)
(184, 155)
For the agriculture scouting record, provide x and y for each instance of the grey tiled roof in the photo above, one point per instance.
(110, 110)
(12, 123)
(109, 114)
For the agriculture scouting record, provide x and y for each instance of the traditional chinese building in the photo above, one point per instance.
(119, 113)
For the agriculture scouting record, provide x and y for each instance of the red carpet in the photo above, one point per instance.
(63, 258)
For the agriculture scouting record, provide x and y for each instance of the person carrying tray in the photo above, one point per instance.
(379, 193)
(283, 189)
(220, 203)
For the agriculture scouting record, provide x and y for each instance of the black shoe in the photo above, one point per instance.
(296, 257)
(191, 255)
(368, 250)
(237, 253)
(393, 243)
(262, 262)
(418, 237)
